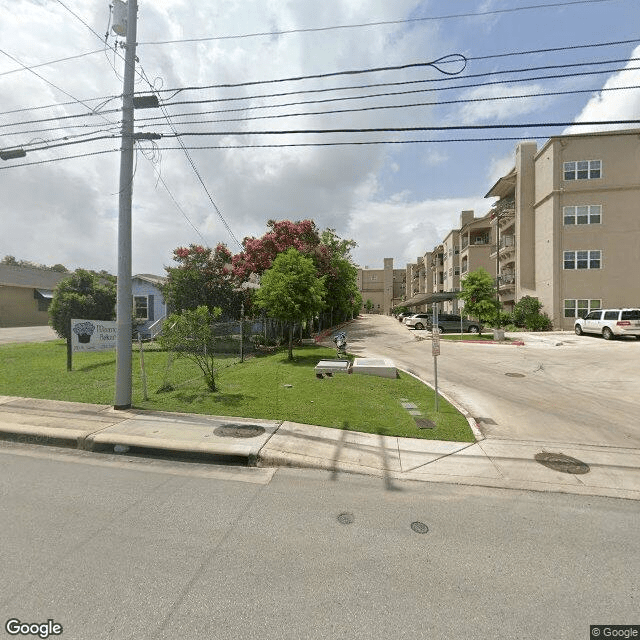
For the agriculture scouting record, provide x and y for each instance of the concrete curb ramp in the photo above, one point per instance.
(614, 472)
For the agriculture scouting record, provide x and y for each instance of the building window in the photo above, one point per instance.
(456, 249)
(140, 307)
(456, 271)
(582, 170)
(373, 277)
(588, 214)
(582, 259)
(580, 308)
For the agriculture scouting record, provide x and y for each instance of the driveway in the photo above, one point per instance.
(27, 334)
(558, 387)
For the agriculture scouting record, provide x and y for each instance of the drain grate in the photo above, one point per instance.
(346, 518)
(423, 423)
(239, 431)
(486, 420)
(419, 527)
(515, 375)
(561, 462)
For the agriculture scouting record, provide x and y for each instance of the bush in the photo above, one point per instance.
(527, 314)
(539, 322)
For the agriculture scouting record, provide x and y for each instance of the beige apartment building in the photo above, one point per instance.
(567, 224)
(565, 228)
(385, 287)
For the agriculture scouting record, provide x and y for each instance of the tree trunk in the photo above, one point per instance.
(291, 341)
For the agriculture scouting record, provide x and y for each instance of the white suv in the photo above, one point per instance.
(610, 323)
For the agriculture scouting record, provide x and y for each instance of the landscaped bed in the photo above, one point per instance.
(265, 386)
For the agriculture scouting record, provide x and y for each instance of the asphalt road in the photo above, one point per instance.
(566, 389)
(114, 547)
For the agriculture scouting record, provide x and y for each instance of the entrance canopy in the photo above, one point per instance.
(429, 298)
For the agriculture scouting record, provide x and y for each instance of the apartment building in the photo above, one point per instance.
(566, 226)
(385, 288)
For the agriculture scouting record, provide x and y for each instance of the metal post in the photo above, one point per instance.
(242, 332)
(124, 304)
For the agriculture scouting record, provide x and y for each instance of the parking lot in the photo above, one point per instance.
(558, 387)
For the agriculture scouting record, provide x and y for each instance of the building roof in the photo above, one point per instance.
(504, 186)
(15, 276)
(149, 277)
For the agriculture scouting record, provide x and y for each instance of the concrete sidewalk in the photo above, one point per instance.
(613, 472)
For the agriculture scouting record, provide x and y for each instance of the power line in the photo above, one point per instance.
(50, 62)
(375, 24)
(199, 88)
(465, 127)
(399, 93)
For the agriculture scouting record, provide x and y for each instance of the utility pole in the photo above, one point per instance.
(124, 306)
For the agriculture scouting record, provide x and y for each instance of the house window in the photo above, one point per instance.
(582, 170)
(373, 277)
(141, 307)
(587, 214)
(582, 259)
(580, 308)
(456, 249)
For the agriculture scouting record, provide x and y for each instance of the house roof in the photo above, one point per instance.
(14, 276)
(149, 277)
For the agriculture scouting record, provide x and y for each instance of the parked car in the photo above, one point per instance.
(446, 322)
(403, 315)
(610, 323)
(417, 320)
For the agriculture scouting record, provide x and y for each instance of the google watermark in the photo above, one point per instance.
(614, 631)
(40, 629)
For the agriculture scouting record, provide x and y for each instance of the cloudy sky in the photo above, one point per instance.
(397, 198)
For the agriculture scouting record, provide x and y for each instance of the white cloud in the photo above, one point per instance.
(613, 105)
(499, 105)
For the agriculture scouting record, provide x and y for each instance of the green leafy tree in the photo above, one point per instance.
(190, 334)
(291, 290)
(203, 277)
(368, 305)
(479, 295)
(81, 295)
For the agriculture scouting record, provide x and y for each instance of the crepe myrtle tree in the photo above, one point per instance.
(479, 294)
(291, 290)
(203, 276)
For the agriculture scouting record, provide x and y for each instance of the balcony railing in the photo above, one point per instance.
(507, 279)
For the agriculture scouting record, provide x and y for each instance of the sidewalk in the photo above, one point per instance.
(613, 472)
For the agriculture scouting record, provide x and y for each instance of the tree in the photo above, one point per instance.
(258, 254)
(81, 295)
(291, 290)
(203, 277)
(479, 295)
(331, 256)
(190, 334)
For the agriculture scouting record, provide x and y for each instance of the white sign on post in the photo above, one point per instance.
(93, 335)
(435, 343)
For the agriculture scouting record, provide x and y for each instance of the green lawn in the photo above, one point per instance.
(257, 388)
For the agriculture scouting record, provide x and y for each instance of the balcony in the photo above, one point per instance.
(507, 280)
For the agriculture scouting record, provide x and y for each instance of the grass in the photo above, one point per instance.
(265, 386)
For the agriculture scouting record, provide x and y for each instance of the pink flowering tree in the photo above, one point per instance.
(203, 277)
(330, 255)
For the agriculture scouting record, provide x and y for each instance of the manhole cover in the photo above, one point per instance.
(239, 431)
(419, 527)
(346, 518)
(560, 462)
(514, 375)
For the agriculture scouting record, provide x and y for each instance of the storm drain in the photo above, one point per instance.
(561, 462)
(419, 527)
(239, 431)
(423, 423)
(346, 518)
(514, 375)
